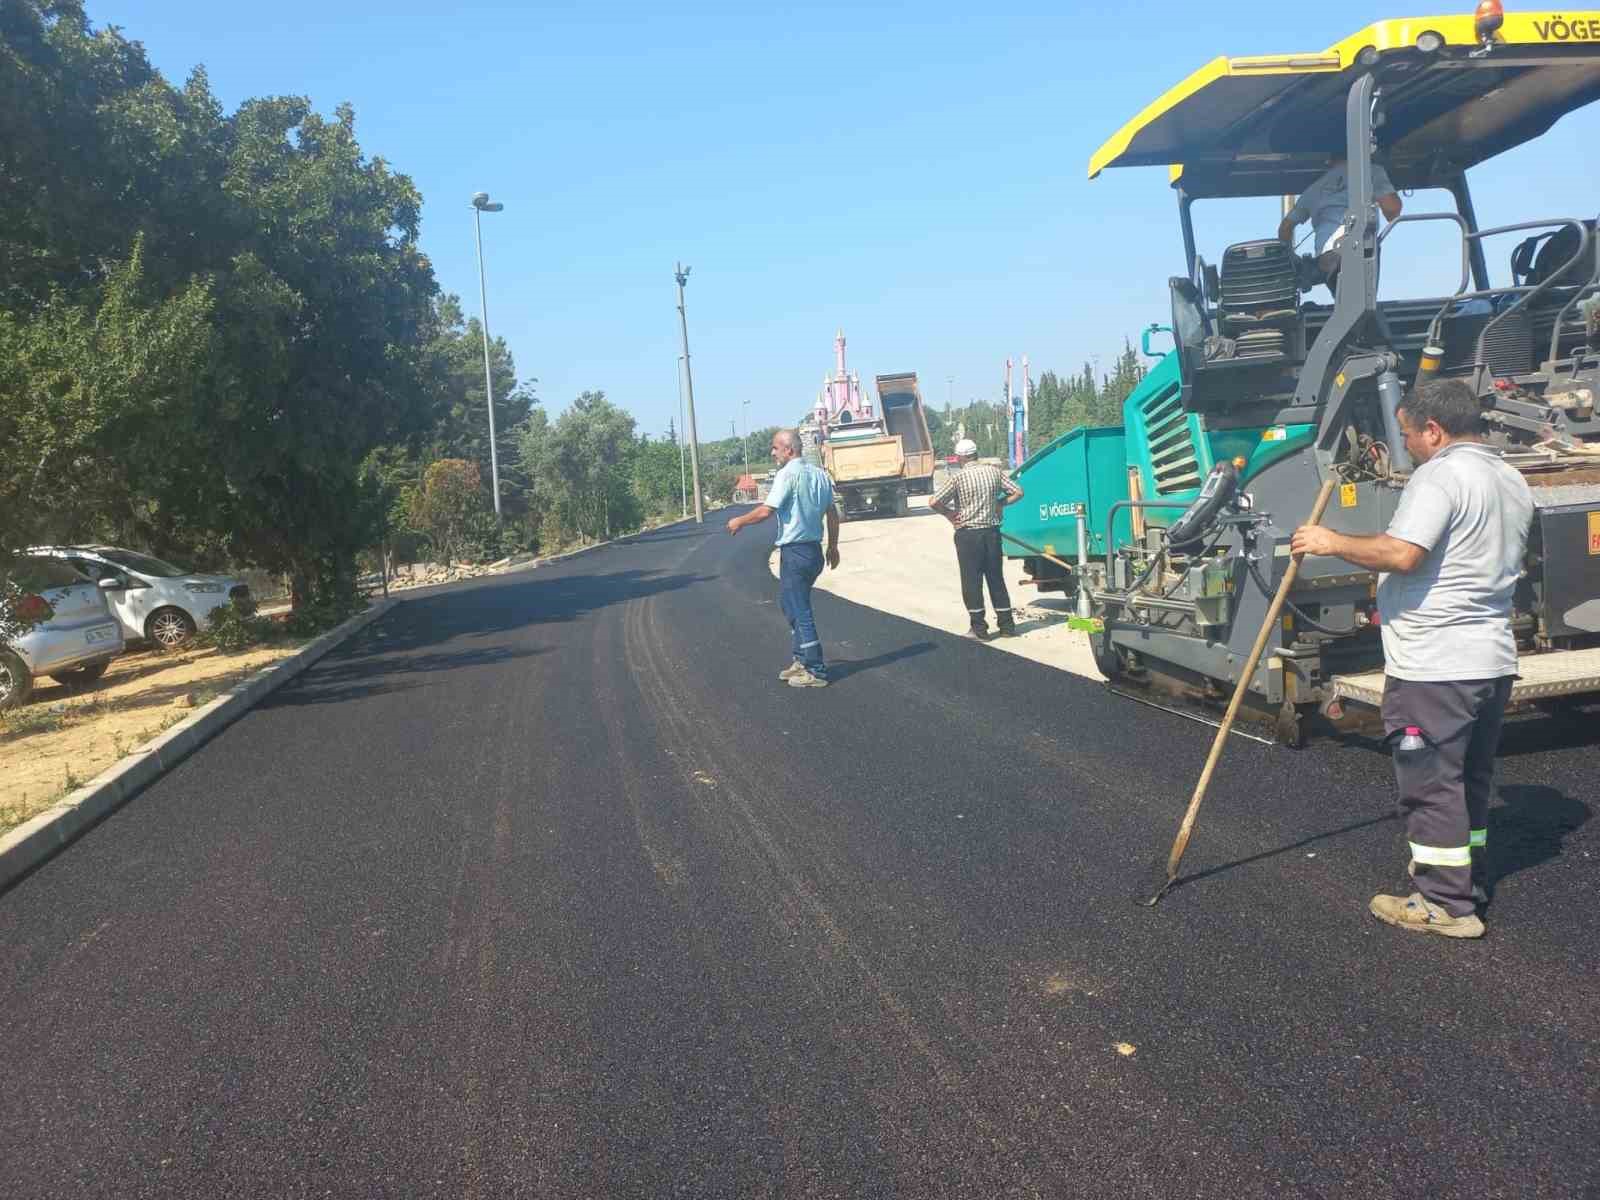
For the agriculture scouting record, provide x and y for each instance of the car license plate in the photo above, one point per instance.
(99, 635)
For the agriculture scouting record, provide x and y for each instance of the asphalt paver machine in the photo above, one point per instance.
(1172, 531)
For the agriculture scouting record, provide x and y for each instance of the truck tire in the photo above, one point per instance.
(901, 504)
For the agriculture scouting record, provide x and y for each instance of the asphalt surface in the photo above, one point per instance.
(545, 886)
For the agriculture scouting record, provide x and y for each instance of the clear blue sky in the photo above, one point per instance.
(912, 173)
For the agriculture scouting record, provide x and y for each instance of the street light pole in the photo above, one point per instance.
(682, 276)
(481, 205)
(683, 462)
(744, 411)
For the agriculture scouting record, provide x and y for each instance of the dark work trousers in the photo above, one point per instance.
(978, 556)
(1445, 786)
(799, 564)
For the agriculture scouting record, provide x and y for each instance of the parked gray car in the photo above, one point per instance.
(75, 635)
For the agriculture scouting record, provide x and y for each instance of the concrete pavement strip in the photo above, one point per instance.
(38, 838)
(906, 566)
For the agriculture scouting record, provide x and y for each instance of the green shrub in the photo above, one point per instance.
(328, 610)
(235, 627)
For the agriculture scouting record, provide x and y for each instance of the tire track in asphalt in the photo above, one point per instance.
(904, 1101)
(1188, 1052)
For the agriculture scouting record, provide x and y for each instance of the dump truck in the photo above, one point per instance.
(868, 468)
(1171, 533)
(877, 458)
(900, 402)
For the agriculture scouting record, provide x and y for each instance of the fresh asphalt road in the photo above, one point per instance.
(545, 886)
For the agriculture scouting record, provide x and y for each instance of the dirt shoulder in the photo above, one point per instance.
(62, 738)
(907, 566)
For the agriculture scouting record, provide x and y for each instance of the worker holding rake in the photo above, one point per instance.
(1450, 559)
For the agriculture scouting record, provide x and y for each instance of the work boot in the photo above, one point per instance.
(977, 634)
(1006, 631)
(1416, 913)
(795, 668)
(806, 679)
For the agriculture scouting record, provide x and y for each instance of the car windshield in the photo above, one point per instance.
(142, 563)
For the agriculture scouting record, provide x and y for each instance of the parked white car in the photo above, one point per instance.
(150, 598)
(74, 636)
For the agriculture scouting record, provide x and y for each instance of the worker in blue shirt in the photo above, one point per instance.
(801, 498)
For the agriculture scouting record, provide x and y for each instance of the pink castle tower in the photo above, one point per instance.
(841, 401)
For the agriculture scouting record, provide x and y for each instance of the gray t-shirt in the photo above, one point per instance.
(1326, 202)
(1450, 619)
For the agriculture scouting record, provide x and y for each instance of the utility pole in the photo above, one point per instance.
(683, 468)
(481, 205)
(1027, 400)
(744, 410)
(682, 276)
(1012, 423)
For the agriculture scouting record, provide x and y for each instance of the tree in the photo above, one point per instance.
(657, 481)
(460, 419)
(87, 386)
(290, 257)
(450, 495)
(581, 466)
(1126, 376)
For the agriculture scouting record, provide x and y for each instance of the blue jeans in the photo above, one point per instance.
(799, 564)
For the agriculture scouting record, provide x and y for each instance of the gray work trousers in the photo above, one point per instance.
(1444, 787)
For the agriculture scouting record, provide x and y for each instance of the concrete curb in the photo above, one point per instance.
(529, 564)
(38, 838)
(539, 562)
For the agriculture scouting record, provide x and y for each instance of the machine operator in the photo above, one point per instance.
(1325, 204)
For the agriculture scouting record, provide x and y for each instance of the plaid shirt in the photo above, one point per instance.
(974, 493)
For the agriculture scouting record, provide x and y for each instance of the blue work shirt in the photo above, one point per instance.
(801, 496)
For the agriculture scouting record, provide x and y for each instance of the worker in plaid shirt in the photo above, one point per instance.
(971, 500)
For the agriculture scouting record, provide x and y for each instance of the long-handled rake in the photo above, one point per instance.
(1246, 671)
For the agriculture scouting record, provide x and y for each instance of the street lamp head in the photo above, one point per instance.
(682, 275)
(480, 201)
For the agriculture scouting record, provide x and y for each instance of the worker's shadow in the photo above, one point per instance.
(843, 668)
(1529, 825)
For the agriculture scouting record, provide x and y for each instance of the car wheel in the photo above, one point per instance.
(16, 681)
(169, 628)
(82, 676)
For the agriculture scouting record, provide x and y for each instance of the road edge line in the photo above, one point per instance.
(47, 833)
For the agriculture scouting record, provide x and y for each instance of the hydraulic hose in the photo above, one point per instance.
(1299, 614)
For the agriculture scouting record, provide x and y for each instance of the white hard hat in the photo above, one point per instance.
(966, 448)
